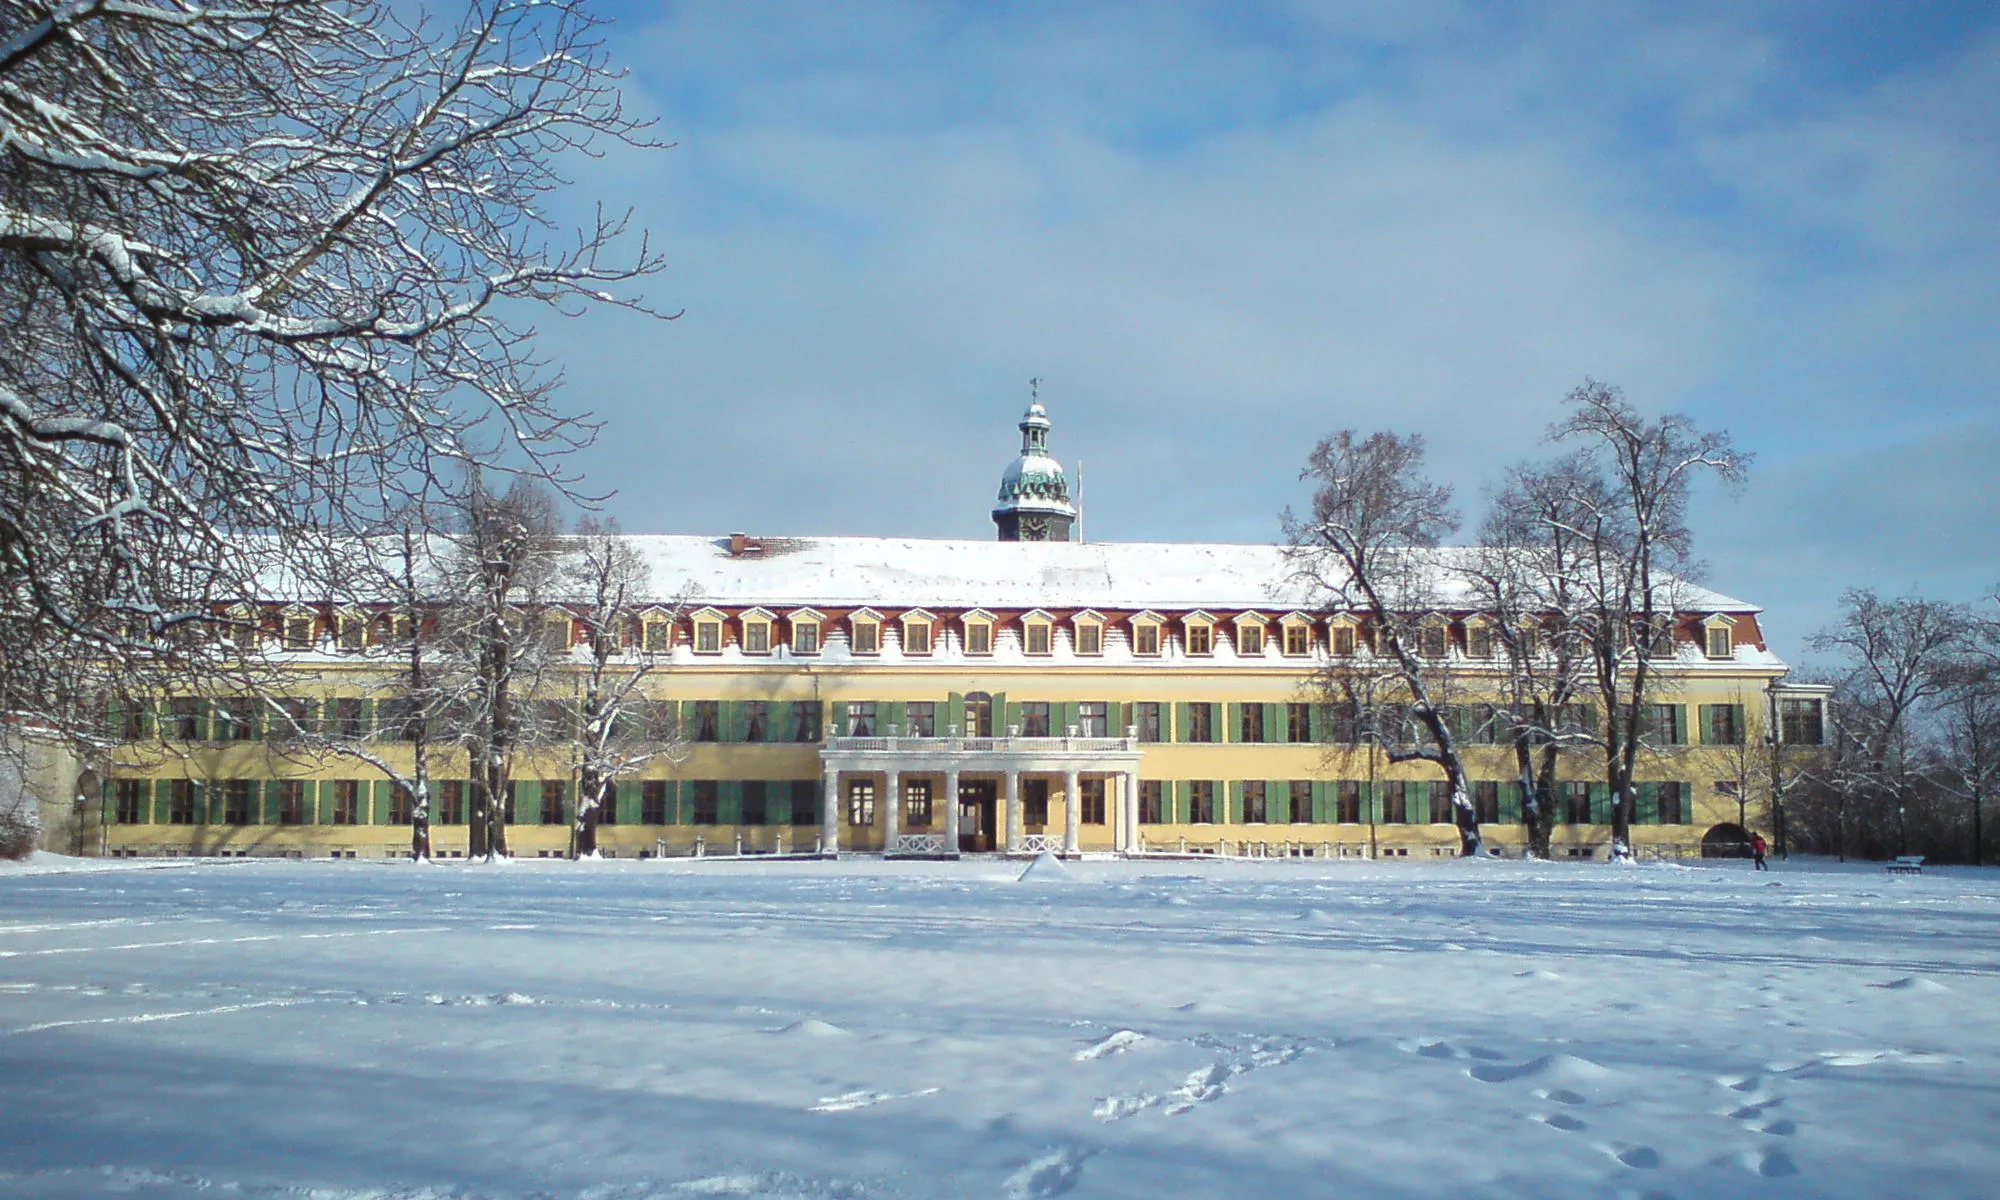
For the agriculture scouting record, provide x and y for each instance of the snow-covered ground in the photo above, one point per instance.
(685, 1029)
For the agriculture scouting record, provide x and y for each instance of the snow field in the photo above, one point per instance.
(639, 1031)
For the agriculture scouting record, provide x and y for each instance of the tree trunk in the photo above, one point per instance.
(479, 803)
(589, 798)
(420, 820)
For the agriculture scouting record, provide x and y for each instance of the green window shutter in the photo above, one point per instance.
(1275, 727)
(383, 789)
(1646, 804)
(954, 714)
(1010, 715)
(1371, 802)
(1232, 723)
(163, 800)
(1680, 725)
(1065, 716)
(894, 713)
(107, 804)
(1232, 808)
(271, 801)
(1181, 798)
(1742, 729)
(729, 802)
(1600, 804)
(1510, 803)
(1707, 718)
(527, 801)
(1180, 728)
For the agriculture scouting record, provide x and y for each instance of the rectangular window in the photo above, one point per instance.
(1149, 802)
(1093, 719)
(920, 718)
(917, 637)
(1576, 802)
(450, 806)
(707, 720)
(346, 801)
(399, 805)
(1253, 802)
(1660, 724)
(757, 720)
(755, 802)
(805, 806)
(180, 802)
(236, 721)
(298, 633)
(917, 803)
(184, 719)
(978, 638)
(860, 802)
(353, 633)
(1252, 730)
(1091, 797)
(1146, 640)
(1201, 802)
(867, 637)
(552, 801)
(1441, 813)
(1347, 802)
(1146, 717)
(1035, 718)
(1201, 722)
(1432, 640)
(1395, 802)
(805, 637)
(1343, 641)
(1089, 639)
(1799, 722)
(805, 720)
(1298, 640)
(607, 804)
(1200, 639)
(708, 637)
(1250, 640)
(659, 637)
(653, 802)
(236, 802)
(346, 718)
(558, 634)
(707, 807)
(1671, 810)
(1038, 638)
(127, 801)
(1720, 645)
(1298, 721)
(860, 718)
(1725, 724)
(1479, 641)
(1035, 801)
(1302, 801)
(756, 637)
(1486, 801)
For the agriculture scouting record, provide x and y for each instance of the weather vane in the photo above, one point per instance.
(1035, 389)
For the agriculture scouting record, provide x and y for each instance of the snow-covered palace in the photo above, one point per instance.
(931, 697)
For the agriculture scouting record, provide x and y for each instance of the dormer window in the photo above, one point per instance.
(1198, 634)
(1478, 640)
(756, 632)
(1037, 633)
(298, 631)
(1146, 635)
(864, 632)
(1087, 634)
(707, 631)
(805, 631)
(1344, 638)
(1298, 635)
(919, 629)
(1433, 638)
(1720, 637)
(556, 633)
(353, 631)
(1250, 635)
(979, 632)
(659, 635)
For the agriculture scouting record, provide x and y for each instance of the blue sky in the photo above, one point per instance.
(1218, 231)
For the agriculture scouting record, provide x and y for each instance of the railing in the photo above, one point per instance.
(983, 745)
(1041, 843)
(917, 843)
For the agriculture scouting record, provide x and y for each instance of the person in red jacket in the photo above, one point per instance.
(1757, 848)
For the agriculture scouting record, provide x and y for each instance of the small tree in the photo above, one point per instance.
(1368, 545)
(1638, 555)
(618, 731)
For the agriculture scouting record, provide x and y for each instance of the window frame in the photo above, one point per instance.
(919, 633)
(864, 633)
(1149, 639)
(1091, 623)
(808, 638)
(1038, 634)
(1198, 635)
(979, 622)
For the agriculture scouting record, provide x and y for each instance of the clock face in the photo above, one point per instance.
(1035, 529)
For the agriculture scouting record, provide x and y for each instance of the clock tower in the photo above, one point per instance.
(1034, 497)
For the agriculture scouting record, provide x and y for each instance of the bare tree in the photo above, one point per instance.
(1367, 546)
(1526, 574)
(1640, 557)
(619, 731)
(262, 275)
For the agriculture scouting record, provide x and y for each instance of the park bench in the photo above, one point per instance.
(1907, 864)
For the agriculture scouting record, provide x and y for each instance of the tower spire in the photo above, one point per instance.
(1034, 497)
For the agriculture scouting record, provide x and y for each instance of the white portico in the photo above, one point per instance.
(980, 775)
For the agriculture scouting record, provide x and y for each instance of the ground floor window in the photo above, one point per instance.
(1035, 801)
(917, 802)
(346, 802)
(1395, 802)
(1302, 801)
(1441, 813)
(1149, 802)
(754, 802)
(180, 802)
(1486, 801)
(1091, 798)
(607, 804)
(1576, 802)
(1672, 810)
(860, 802)
(1201, 802)
(400, 805)
(805, 804)
(449, 808)
(653, 802)
(1253, 802)
(552, 801)
(1347, 802)
(236, 802)
(127, 802)
(707, 801)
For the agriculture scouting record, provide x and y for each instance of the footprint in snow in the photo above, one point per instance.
(1110, 1044)
(1052, 1174)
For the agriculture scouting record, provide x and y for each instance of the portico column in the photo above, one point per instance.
(830, 822)
(1072, 810)
(1129, 784)
(1014, 829)
(893, 825)
(951, 811)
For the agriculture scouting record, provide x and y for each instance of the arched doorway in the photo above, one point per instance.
(978, 715)
(86, 818)
(1727, 840)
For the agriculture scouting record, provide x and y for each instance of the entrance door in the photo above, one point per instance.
(978, 802)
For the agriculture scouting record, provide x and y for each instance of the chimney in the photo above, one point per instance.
(742, 545)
